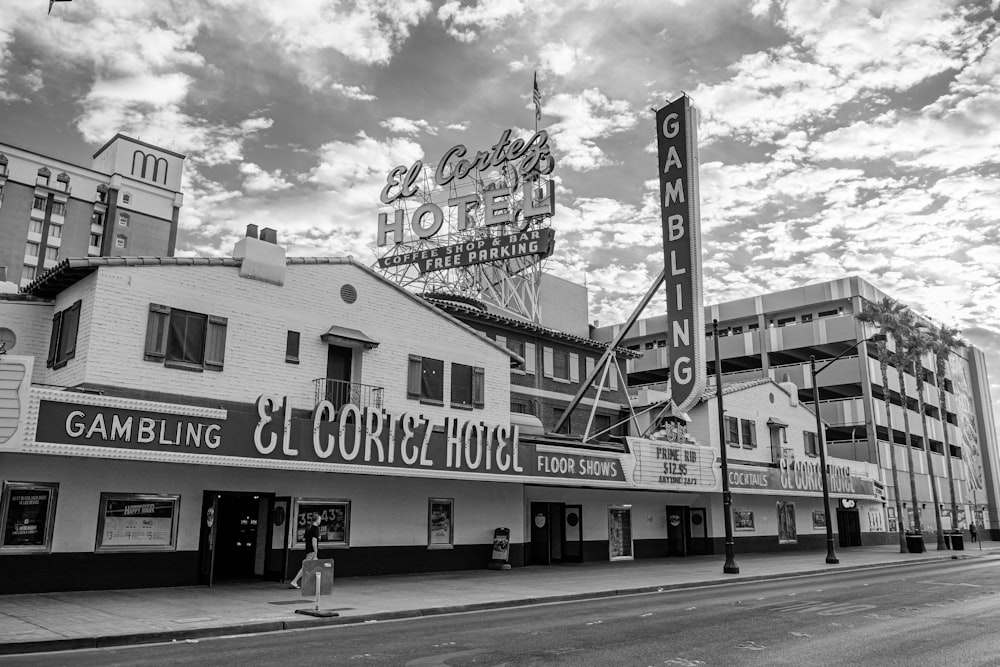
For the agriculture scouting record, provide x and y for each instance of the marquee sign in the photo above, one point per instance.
(493, 213)
(674, 466)
(800, 478)
(350, 435)
(677, 148)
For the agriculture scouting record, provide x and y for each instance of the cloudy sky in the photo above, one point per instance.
(837, 137)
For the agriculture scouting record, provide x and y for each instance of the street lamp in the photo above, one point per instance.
(730, 566)
(831, 555)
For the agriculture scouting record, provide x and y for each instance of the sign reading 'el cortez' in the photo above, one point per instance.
(677, 149)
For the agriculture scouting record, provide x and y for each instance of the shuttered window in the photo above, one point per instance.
(425, 379)
(185, 339)
(749, 433)
(62, 343)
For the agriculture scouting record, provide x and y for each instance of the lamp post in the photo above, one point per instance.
(727, 497)
(831, 555)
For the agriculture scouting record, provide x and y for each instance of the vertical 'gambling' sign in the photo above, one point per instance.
(677, 148)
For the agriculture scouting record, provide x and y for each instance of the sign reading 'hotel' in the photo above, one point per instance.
(677, 148)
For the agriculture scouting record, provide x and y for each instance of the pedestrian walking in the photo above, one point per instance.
(972, 531)
(312, 547)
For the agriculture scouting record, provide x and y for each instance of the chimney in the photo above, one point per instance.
(262, 258)
(792, 389)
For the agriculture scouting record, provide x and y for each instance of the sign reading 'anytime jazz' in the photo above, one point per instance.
(677, 148)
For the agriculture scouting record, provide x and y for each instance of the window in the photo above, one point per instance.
(292, 347)
(335, 522)
(733, 431)
(425, 380)
(810, 443)
(466, 386)
(126, 198)
(737, 330)
(522, 407)
(55, 231)
(807, 317)
(43, 176)
(650, 344)
(782, 321)
(97, 219)
(753, 327)
(620, 532)
(35, 227)
(121, 241)
(27, 514)
(184, 339)
(31, 250)
(38, 203)
(515, 346)
(138, 522)
(440, 523)
(62, 342)
(58, 208)
(829, 313)
(95, 240)
(749, 430)
(28, 273)
(123, 219)
(557, 414)
(51, 254)
(561, 364)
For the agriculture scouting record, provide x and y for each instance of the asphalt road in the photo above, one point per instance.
(943, 613)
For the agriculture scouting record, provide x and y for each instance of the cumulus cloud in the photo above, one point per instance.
(585, 118)
(353, 92)
(400, 125)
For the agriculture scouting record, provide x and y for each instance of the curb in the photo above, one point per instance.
(260, 627)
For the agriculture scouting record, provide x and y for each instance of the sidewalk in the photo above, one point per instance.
(88, 619)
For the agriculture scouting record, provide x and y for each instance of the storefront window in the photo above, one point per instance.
(334, 528)
(28, 512)
(786, 523)
(743, 519)
(620, 531)
(440, 523)
(137, 522)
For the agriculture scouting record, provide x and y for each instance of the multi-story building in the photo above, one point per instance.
(774, 335)
(126, 203)
(556, 362)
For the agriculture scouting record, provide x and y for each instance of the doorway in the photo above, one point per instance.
(687, 531)
(338, 375)
(235, 535)
(556, 533)
(849, 527)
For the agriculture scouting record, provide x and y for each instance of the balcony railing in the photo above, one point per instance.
(340, 393)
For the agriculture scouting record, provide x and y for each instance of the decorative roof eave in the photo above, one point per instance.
(447, 304)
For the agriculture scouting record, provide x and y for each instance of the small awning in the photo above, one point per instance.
(772, 422)
(528, 424)
(348, 338)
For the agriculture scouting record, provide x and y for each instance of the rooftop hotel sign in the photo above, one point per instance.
(490, 201)
(677, 149)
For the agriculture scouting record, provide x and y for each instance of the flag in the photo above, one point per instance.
(536, 96)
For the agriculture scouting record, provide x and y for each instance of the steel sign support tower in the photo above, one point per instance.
(677, 159)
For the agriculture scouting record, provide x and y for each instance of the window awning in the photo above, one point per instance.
(348, 338)
(772, 422)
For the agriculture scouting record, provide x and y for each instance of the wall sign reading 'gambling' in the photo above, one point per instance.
(497, 201)
(677, 148)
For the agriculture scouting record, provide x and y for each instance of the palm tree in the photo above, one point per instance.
(918, 343)
(885, 315)
(900, 359)
(943, 341)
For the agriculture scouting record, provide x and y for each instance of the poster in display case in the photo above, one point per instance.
(137, 522)
(27, 514)
(334, 527)
(620, 532)
(743, 519)
(440, 523)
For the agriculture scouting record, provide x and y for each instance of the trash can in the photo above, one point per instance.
(915, 543)
(957, 541)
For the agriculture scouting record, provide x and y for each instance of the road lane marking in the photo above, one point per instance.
(947, 583)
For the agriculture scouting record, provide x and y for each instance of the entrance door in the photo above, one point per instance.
(698, 531)
(234, 546)
(338, 374)
(206, 546)
(678, 530)
(541, 531)
(572, 521)
(277, 553)
(849, 527)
